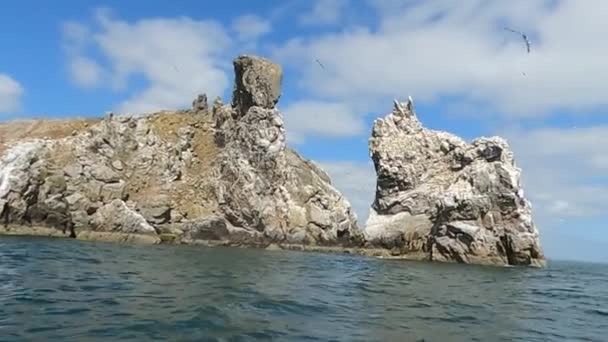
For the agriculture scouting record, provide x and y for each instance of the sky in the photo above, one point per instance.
(467, 75)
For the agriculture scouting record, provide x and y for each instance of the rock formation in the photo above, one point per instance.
(440, 198)
(262, 185)
(222, 174)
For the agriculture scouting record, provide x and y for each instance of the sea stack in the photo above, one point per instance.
(440, 198)
(263, 186)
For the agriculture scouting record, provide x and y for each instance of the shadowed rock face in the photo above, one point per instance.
(447, 200)
(221, 174)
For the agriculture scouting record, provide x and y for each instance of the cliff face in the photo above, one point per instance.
(218, 174)
(440, 198)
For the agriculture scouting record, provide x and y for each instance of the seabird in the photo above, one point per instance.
(322, 66)
(524, 37)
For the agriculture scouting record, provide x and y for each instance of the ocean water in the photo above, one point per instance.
(67, 290)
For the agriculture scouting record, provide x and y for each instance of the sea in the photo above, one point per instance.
(69, 290)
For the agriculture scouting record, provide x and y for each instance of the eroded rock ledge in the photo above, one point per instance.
(443, 199)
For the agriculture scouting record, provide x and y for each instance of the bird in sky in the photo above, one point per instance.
(322, 66)
(524, 37)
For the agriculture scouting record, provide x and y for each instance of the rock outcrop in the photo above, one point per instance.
(262, 185)
(440, 198)
(222, 173)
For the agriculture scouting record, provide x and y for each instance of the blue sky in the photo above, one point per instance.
(82, 58)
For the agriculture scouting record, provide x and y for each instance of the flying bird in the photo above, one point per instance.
(523, 36)
(322, 66)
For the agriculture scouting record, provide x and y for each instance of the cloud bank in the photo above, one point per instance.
(434, 49)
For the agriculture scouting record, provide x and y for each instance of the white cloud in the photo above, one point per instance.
(75, 37)
(177, 57)
(10, 94)
(429, 49)
(85, 71)
(250, 27)
(324, 12)
(356, 181)
(563, 171)
(320, 118)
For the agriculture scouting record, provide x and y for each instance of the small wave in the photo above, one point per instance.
(461, 319)
(288, 306)
(66, 312)
(88, 261)
(598, 312)
(108, 301)
(562, 294)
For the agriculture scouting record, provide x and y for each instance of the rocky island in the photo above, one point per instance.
(221, 174)
(440, 198)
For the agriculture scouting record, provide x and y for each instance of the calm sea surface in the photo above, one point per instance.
(65, 290)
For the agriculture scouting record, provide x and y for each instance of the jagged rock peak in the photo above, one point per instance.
(402, 118)
(263, 186)
(200, 104)
(448, 200)
(406, 109)
(257, 83)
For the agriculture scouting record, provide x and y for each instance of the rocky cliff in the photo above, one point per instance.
(440, 198)
(221, 174)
